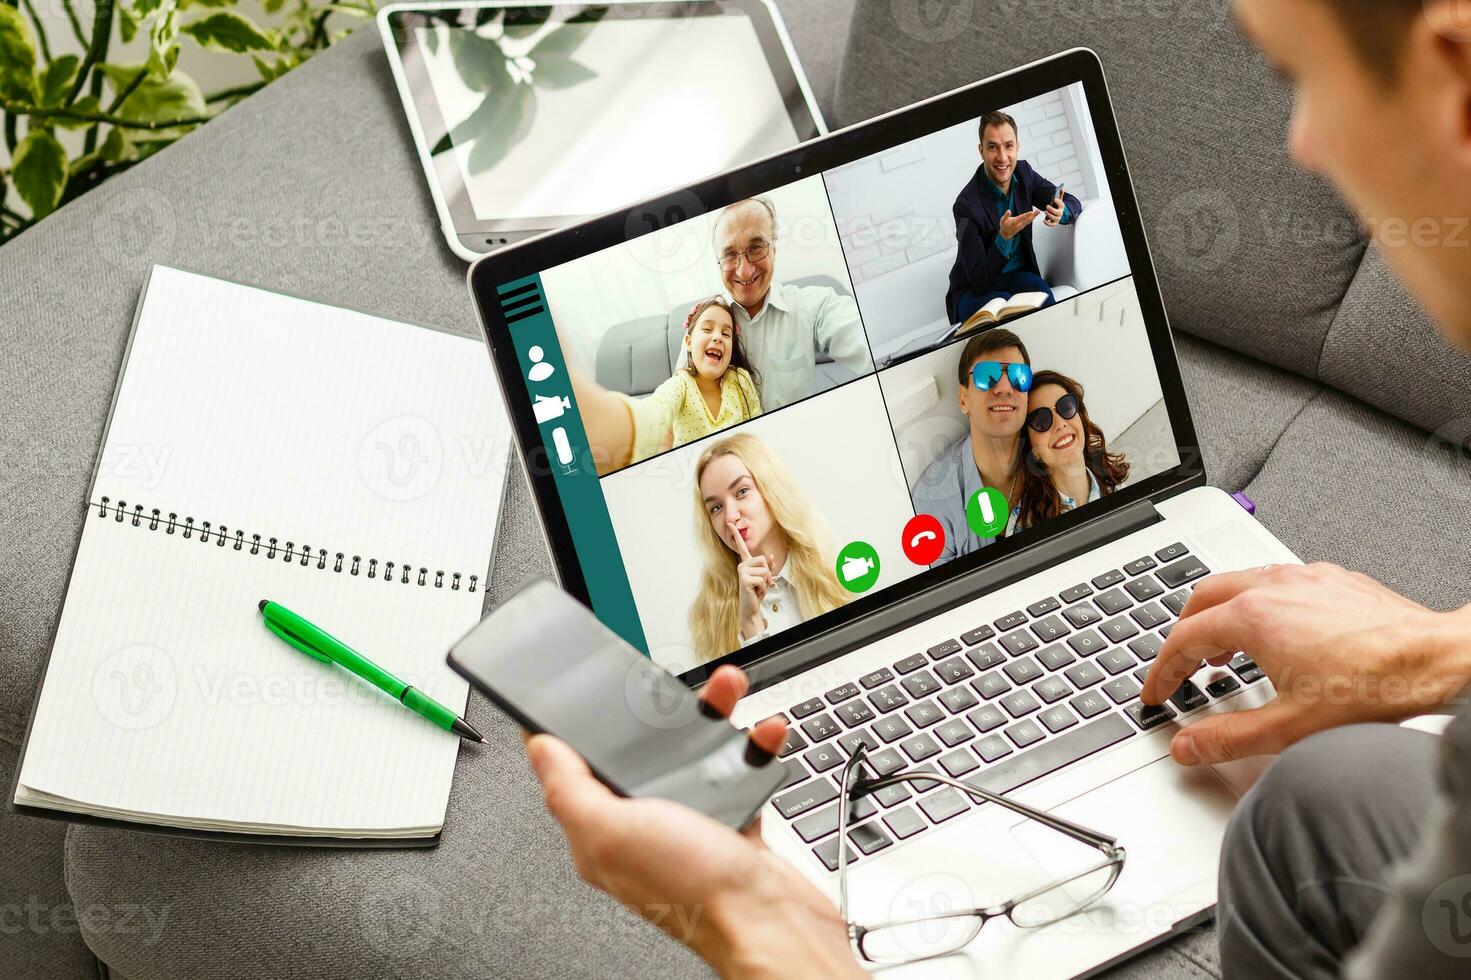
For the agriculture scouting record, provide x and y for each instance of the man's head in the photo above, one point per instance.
(1384, 110)
(999, 146)
(745, 234)
(1000, 412)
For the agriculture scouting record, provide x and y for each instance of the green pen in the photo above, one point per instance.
(322, 646)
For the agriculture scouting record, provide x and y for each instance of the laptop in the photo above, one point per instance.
(766, 420)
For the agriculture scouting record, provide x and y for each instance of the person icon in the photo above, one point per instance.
(540, 369)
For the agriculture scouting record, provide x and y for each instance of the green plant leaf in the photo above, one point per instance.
(186, 4)
(127, 23)
(480, 62)
(562, 41)
(177, 97)
(114, 149)
(86, 104)
(229, 31)
(561, 74)
(39, 172)
(17, 56)
(431, 39)
(444, 145)
(272, 6)
(57, 80)
(142, 8)
(163, 44)
(524, 22)
(502, 123)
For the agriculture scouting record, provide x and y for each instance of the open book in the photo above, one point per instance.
(260, 446)
(1000, 309)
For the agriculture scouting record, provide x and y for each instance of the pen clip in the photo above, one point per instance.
(293, 641)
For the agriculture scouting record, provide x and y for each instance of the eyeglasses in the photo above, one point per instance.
(1041, 419)
(987, 375)
(753, 253)
(912, 940)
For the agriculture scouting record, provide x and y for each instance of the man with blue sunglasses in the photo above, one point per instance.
(995, 374)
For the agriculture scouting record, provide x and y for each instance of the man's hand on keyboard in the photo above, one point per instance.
(722, 893)
(1339, 647)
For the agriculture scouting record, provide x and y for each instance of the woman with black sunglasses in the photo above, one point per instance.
(1067, 460)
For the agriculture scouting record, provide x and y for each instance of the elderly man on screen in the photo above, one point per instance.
(994, 213)
(784, 326)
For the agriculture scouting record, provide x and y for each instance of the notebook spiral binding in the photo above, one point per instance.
(223, 537)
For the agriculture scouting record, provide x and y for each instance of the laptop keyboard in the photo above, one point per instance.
(1000, 706)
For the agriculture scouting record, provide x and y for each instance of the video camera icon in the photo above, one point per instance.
(858, 567)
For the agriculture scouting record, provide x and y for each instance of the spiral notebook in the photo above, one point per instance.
(263, 446)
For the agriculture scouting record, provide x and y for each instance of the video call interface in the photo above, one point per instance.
(758, 415)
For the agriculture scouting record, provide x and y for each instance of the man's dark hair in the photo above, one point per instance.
(989, 342)
(1378, 29)
(997, 119)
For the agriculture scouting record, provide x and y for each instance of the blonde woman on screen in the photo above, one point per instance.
(768, 563)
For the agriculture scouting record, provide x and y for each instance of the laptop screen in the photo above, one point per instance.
(796, 404)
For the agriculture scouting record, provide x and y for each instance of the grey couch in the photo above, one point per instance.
(1318, 388)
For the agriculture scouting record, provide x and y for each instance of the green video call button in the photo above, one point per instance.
(858, 567)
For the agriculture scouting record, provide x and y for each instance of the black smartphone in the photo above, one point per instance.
(548, 662)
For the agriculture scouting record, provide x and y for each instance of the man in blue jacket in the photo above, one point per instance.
(993, 223)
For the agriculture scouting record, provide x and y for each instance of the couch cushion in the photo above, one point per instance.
(1243, 241)
(1350, 485)
(1384, 349)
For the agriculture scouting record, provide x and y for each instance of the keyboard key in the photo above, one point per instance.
(904, 822)
(954, 670)
(888, 698)
(1139, 566)
(1051, 689)
(1089, 704)
(808, 796)
(1140, 674)
(1146, 647)
(910, 664)
(873, 679)
(1010, 621)
(1044, 606)
(850, 742)
(1083, 614)
(1084, 675)
(820, 728)
(1167, 555)
(892, 728)
(924, 714)
(1182, 571)
(920, 747)
(1222, 686)
(809, 707)
(891, 795)
(1144, 588)
(1121, 689)
(1175, 601)
(885, 763)
(1148, 716)
(1117, 661)
(870, 837)
(843, 693)
(1086, 643)
(1023, 671)
(824, 822)
(942, 650)
(1057, 719)
(958, 699)
(854, 713)
(923, 786)
(953, 732)
(1050, 628)
(1019, 643)
(992, 747)
(1189, 697)
(1164, 631)
(991, 685)
(1108, 579)
(1119, 629)
(827, 853)
(1113, 601)
(1245, 668)
(1150, 616)
(1053, 755)
(794, 743)
(921, 684)
(959, 762)
(796, 772)
(986, 718)
(1019, 703)
(978, 635)
(1025, 733)
(1077, 592)
(1056, 657)
(986, 657)
(823, 757)
(943, 805)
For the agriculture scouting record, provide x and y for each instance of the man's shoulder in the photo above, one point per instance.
(945, 470)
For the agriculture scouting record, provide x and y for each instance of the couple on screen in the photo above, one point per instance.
(1030, 438)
